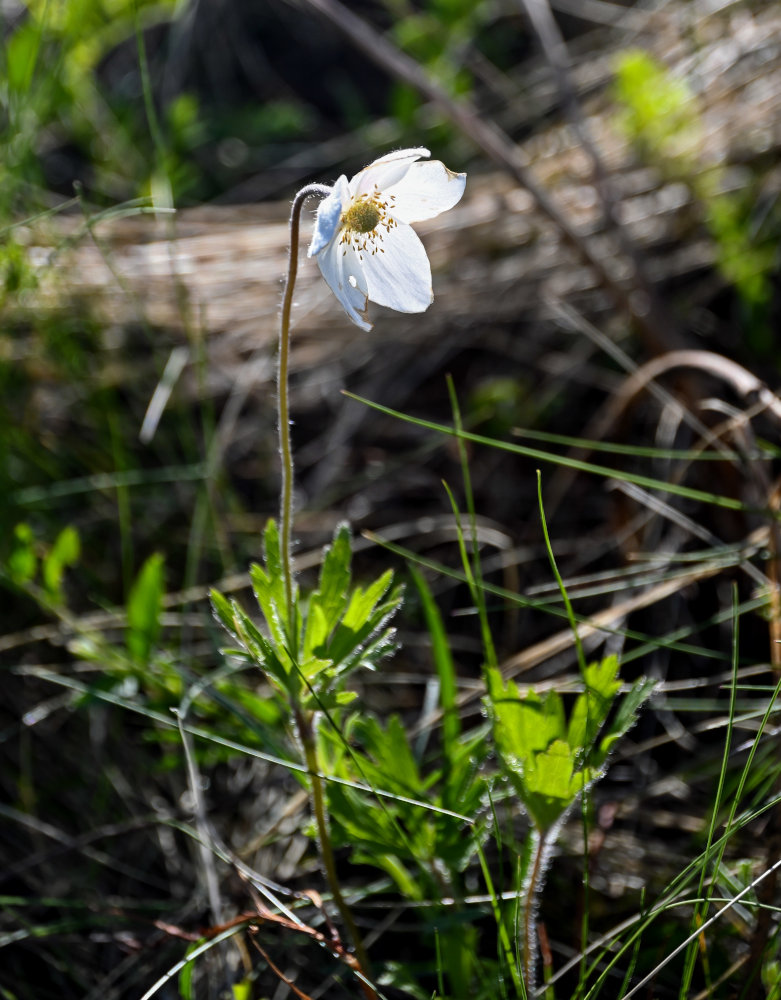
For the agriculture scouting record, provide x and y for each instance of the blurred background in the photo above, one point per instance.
(622, 206)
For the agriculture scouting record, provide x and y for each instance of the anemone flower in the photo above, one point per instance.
(363, 241)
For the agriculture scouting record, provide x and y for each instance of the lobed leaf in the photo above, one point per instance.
(625, 717)
(591, 708)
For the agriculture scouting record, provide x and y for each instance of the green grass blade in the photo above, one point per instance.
(443, 660)
(604, 471)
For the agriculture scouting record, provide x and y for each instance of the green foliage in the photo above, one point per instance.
(65, 552)
(144, 607)
(49, 64)
(658, 110)
(415, 845)
(499, 404)
(550, 759)
(336, 631)
(242, 990)
(443, 660)
(661, 117)
(771, 979)
(22, 563)
(434, 33)
(16, 271)
(27, 557)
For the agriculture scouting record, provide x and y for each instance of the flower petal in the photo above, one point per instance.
(400, 277)
(424, 191)
(388, 170)
(329, 212)
(341, 268)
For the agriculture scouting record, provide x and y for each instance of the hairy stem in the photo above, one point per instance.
(304, 719)
(283, 404)
(529, 919)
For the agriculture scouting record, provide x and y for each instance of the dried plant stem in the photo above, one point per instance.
(283, 403)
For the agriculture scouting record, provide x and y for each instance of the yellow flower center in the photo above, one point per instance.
(362, 216)
(363, 221)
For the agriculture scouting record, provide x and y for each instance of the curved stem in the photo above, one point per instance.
(283, 365)
(303, 718)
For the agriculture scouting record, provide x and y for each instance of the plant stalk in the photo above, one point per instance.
(283, 403)
(529, 921)
(304, 719)
(306, 732)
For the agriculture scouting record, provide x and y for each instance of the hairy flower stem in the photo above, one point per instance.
(304, 720)
(529, 910)
(307, 736)
(283, 367)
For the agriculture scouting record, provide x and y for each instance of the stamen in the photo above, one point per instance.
(362, 222)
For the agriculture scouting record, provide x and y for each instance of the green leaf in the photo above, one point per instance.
(524, 725)
(65, 552)
(144, 607)
(22, 563)
(344, 698)
(340, 630)
(543, 756)
(363, 602)
(552, 784)
(334, 583)
(362, 619)
(274, 614)
(264, 653)
(185, 980)
(223, 611)
(317, 630)
(659, 110)
(451, 724)
(625, 717)
(242, 990)
(591, 708)
(268, 584)
(264, 710)
(21, 52)
(254, 644)
(368, 654)
(390, 745)
(530, 735)
(315, 670)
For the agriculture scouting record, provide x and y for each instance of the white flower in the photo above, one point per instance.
(363, 241)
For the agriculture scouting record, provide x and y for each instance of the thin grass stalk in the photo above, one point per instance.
(703, 891)
(584, 797)
(477, 572)
(730, 828)
(505, 947)
(688, 492)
